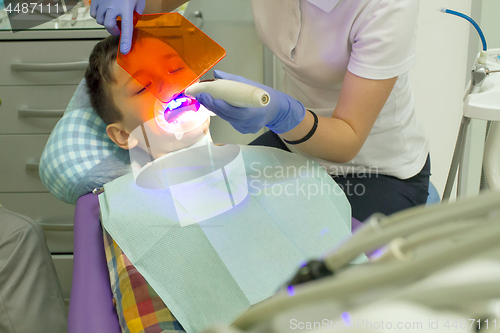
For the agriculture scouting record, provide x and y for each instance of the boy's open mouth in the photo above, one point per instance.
(180, 109)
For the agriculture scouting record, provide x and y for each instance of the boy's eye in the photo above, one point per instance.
(143, 89)
(175, 70)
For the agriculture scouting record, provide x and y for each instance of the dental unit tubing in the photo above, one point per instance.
(492, 157)
(235, 93)
(474, 24)
(483, 102)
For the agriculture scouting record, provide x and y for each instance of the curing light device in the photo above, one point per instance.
(184, 113)
(232, 92)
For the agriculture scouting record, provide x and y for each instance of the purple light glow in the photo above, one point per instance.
(180, 109)
(290, 291)
(377, 253)
(346, 318)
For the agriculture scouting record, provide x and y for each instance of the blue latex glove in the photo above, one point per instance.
(105, 13)
(281, 114)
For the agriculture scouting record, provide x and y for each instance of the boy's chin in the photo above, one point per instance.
(158, 142)
(170, 143)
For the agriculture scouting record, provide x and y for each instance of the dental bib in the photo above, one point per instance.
(221, 235)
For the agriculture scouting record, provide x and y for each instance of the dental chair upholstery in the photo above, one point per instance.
(91, 304)
(79, 156)
(433, 196)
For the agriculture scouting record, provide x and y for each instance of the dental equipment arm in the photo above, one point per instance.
(379, 230)
(366, 277)
(401, 248)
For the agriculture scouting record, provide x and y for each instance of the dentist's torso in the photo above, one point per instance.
(317, 41)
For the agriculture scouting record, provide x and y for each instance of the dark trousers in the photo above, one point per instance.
(370, 194)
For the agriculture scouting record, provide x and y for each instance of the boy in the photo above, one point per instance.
(124, 104)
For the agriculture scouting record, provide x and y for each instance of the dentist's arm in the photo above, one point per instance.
(107, 11)
(337, 139)
(340, 138)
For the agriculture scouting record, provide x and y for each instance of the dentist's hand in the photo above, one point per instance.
(106, 11)
(281, 114)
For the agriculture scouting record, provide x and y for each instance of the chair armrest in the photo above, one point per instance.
(91, 305)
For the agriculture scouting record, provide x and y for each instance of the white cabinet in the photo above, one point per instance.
(32, 109)
(39, 72)
(43, 62)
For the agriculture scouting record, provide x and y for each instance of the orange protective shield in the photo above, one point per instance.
(168, 54)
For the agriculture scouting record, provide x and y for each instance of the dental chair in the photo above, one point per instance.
(78, 158)
(91, 304)
(91, 307)
(72, 165)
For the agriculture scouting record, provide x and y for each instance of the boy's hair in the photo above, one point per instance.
(99, 76)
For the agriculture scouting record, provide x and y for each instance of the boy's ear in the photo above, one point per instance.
(120, 136)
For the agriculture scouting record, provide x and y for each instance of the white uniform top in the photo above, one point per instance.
(319, 40)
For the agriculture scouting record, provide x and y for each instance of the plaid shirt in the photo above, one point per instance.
(139, 308)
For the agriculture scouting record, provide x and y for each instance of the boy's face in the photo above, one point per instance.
(137, 103)
(152, 64)
(157, 66)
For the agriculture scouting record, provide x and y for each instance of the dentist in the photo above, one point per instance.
(347, 101)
